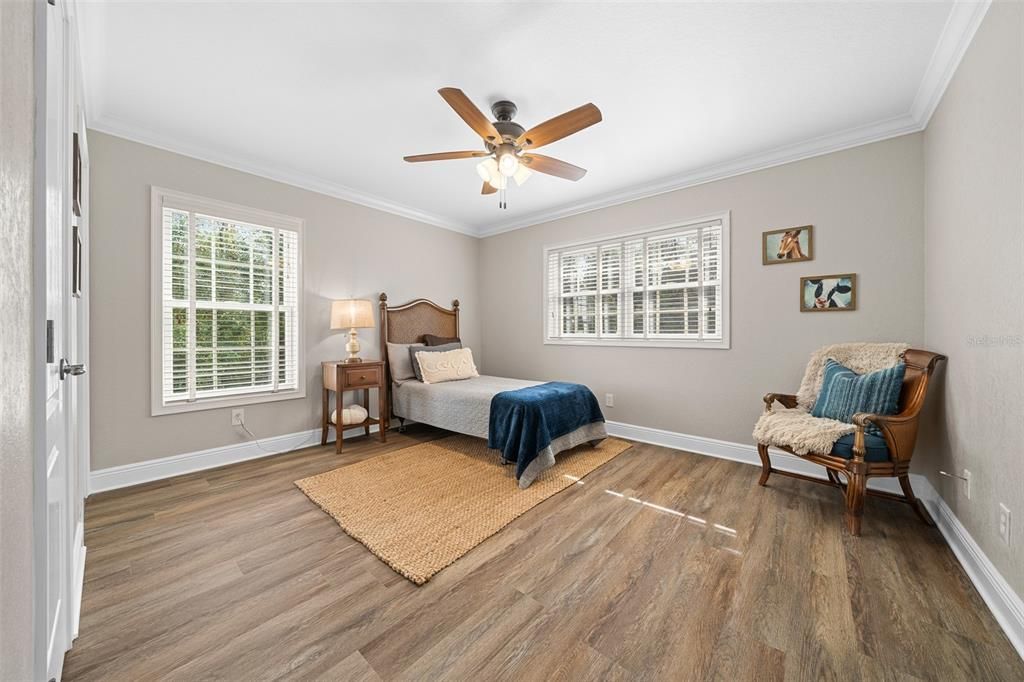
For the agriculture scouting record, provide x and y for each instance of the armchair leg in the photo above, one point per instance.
(766, 463)
(918, 506)
(855, 502)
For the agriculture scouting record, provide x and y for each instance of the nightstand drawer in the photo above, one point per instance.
(361, 376)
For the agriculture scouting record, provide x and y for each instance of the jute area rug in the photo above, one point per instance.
(421, 508)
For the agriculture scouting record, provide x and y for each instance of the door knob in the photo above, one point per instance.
(67, 368)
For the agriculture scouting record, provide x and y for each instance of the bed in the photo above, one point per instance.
(464, 406)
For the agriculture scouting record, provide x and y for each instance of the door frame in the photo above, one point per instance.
(39, 370)
(75, 342)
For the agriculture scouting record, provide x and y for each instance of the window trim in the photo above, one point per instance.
(651, 231)
(161, 197)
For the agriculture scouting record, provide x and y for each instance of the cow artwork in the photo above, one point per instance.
(824, 293)
(788, 245)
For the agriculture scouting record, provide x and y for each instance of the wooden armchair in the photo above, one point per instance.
(898, 430)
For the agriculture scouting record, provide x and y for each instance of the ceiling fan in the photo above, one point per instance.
(508, 146)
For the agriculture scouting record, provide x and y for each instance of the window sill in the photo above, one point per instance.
(159, 409)
(641, 343)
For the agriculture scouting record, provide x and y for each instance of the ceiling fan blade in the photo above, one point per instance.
(444, 156)
(458, 101)
(488, 189)
(552, 166)
(560, 126)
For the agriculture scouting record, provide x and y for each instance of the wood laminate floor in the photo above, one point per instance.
(659, 565)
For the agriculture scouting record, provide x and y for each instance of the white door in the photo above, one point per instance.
(64, 493)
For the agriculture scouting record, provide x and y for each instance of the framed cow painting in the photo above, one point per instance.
(828, 293)
(788, 245)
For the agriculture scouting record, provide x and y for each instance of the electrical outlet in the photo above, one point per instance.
(609, 399)
(237, 416)
(967, 483)
(1004, 524)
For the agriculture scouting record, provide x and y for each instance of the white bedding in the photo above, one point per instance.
(461, 406)
(465, 407)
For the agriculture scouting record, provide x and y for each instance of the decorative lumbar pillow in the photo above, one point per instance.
(353, 414)
(844, 393)
(447, 366)
(413, 352)
(432, 340)
(400, 360)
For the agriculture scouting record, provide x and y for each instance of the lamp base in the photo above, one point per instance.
(353, 347)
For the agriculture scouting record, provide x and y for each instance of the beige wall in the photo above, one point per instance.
(16, 425)
(866, 208)
(350, 251)
(974, 273)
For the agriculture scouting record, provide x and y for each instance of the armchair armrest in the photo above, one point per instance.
(899, 431)
(786, 399)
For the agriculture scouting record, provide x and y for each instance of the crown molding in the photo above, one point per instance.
(854, 137)
(111, 126)
(961, 25)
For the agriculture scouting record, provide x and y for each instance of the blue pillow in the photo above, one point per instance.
(844, 393)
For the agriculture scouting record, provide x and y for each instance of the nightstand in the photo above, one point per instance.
(352, 376)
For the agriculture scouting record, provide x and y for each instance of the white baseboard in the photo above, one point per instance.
(1004, 603)
(738, 452)
(127, 475)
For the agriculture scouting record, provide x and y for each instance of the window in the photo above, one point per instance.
(663, 287)
(226, 306)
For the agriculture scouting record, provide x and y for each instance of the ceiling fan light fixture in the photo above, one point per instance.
(521, 175)
(504, 143)
(508, 162)
(483, 169)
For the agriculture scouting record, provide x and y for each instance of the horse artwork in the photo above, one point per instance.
(788, 245)
(828, 293)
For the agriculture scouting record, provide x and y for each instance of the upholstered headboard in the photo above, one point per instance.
(407, 323)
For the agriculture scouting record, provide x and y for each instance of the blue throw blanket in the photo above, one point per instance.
(525, 421)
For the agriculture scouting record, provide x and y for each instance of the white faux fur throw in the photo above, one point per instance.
(860, 357)
(796, 428)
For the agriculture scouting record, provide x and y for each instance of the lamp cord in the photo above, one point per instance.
(259, 444)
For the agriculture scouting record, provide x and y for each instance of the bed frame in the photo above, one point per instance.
(407, 323)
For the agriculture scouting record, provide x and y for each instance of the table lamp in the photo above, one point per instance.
(352, 314)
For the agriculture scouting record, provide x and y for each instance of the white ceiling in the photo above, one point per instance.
(331, 95)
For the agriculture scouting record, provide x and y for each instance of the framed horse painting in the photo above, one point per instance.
(788, 245)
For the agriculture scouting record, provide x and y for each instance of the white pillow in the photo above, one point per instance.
(450, 365)
(353, 414)
(400, 361)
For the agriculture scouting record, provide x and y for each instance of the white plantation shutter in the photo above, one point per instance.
(662, 287)
(611, 289)
(579, 292)
(229, 304)
(552, 292)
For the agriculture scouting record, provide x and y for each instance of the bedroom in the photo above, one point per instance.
(623, 283)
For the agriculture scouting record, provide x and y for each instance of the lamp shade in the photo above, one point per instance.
(351, 313)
